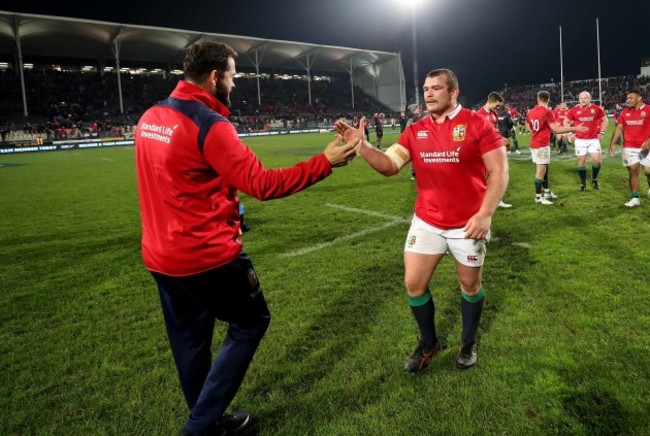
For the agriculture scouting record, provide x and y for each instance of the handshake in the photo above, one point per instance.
(340, 155)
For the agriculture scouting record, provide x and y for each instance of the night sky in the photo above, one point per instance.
(486, 42)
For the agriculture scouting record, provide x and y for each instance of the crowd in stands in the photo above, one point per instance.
(66, 104)
(614, 90)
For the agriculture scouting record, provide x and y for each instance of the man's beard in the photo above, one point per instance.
(222, 94)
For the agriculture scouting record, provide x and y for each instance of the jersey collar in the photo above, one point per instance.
(188, 91)
(455, 112)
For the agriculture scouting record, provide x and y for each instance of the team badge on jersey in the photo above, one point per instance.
(593, 111)
(642, 114)
(459, 132)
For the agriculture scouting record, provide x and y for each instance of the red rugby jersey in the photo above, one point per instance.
(448, 161)
(590, 116)
(636, 126)
(539, 119)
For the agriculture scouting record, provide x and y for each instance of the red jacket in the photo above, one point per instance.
(190, 164)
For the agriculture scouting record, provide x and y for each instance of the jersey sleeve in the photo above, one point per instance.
(405, 138)
(550, 117)
(240, 167)
(570, 115)
(489, 137)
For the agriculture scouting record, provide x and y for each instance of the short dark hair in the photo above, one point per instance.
(635, 91)
(494, 97)
(543, 96)
(452, 80)
(202, 57)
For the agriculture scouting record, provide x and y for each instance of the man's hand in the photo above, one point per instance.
(348, 132)
(646, 145)
(612, 149)
(340, 155)
(582, 129)
(478, 227)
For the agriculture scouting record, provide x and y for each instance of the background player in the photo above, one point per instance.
(489, 112)
(541, 122)
(634, 124)
(560, 114)
(593, 117)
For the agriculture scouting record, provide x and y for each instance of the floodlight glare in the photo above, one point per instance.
(412, 3)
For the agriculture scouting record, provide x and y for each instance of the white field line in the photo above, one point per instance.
(344, 238)
(363, 211)
(105, 158)
(394, 220)
(515, 244)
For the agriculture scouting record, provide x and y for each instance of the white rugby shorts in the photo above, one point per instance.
(541, 156)
(631, 156)
(424, 238)
(584, 146)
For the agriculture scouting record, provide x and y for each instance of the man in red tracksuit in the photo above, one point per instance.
(190, 164)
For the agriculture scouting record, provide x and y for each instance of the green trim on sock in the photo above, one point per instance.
(538, 180)
(595, 166)
(635, 195)
(474, 298)
(582, 168)
(421, 300)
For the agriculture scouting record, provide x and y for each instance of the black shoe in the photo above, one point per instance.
(582, 188)
(244, 228)
(227, 424)
(419, 360)
(467, 355)
(594, 184)
(231, 423)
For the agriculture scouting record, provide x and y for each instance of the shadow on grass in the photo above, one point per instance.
(505, 271)
(322, 347)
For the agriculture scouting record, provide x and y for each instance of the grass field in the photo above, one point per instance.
(564, 342)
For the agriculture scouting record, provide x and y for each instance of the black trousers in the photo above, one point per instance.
(190, 306)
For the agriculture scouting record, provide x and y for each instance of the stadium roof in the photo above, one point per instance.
(377, 73)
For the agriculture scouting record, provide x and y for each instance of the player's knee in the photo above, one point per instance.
(415, 287)
(470, 288)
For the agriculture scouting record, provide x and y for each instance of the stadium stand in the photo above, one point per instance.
(614, 90)
(73, 104)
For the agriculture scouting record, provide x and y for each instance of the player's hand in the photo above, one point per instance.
(581, 128)
(348, 132)
(646, 145)
(612, 149)
(477, 227)
(571, 138)
(340, 155)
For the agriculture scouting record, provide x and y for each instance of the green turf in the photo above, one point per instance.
(564, 347)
